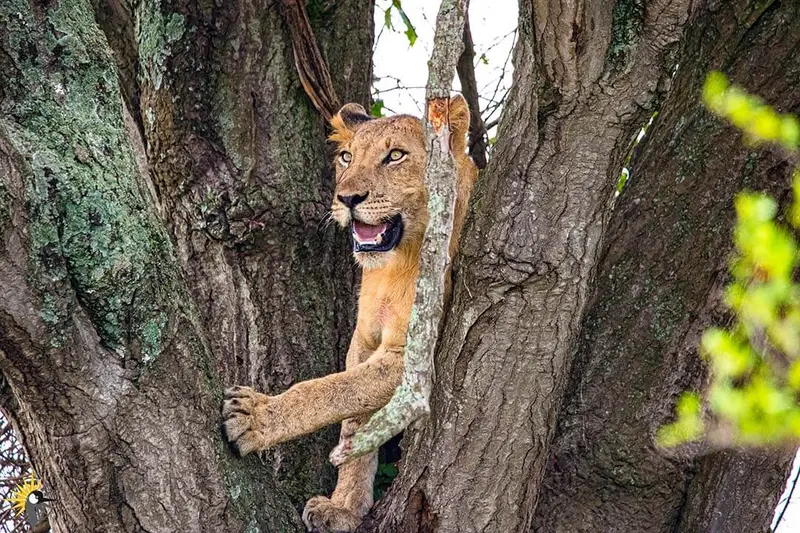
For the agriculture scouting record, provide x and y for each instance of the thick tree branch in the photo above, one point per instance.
(469, 88)
(311, 66)
(410, 401)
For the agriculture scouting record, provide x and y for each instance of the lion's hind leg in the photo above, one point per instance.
(352, 498)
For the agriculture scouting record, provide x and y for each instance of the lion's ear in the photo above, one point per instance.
(459, 123)
(347, 121)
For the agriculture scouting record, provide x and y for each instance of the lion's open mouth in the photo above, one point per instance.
(377, 238)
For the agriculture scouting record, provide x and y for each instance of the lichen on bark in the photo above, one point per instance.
(61, 114)
(158, 32)
(626, 26)
(246, 482)
(91, 228)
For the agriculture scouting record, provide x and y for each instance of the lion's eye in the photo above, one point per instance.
(345, 158)
(394, 156)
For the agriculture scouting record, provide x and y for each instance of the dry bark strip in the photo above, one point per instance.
(410, 401)
(311, 66)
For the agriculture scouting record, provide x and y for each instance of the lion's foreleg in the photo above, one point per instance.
(255, 421)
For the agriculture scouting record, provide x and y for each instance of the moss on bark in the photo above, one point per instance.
(229, 134)
(626, 27)
(91, 228)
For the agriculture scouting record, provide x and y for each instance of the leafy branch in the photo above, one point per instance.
(754, 391)
(411, 32)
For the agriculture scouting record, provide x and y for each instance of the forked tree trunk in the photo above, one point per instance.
(149, 260)
(586, 80)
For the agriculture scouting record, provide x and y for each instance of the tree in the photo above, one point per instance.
(162, 187)
(156, 252)
(554, 269)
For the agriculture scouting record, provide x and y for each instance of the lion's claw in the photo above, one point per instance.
(245, 420)
(321, 515)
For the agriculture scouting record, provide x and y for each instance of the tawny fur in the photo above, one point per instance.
(255, 421)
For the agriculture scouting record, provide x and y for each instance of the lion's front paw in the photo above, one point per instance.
(321, 515)
(246, 420)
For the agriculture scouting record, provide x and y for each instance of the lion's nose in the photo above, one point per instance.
(352, 200)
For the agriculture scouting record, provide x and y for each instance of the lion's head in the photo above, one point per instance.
(380, 193)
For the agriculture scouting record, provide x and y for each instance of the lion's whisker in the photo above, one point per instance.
(325, 222)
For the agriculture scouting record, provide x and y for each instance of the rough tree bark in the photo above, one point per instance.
(586, 79)
(149, 258)
(658, 287)
(239, 160)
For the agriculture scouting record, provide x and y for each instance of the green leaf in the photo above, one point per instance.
(754, 389)
(754, 208)
(377, 109)
(389, 470)
(726, 401)
(766, 123)
(412, 36)
(790, 132)
(714, 90)
(794, 375)
(689, 425)
(689, 405)
(729, 358)
(738, 107)
(411, 32)
(734, 295)
(387, 17)
(794, 211)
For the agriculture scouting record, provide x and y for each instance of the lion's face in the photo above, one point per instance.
(380, 194)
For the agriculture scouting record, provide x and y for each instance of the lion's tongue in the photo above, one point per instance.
(367, 232)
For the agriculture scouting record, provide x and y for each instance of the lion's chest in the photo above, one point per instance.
(385, 308)
(380, 317)
(382, 314)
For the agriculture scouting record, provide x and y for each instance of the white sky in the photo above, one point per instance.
(401, 72)
(790, 523)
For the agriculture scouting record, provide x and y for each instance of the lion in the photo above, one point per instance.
(381, 197)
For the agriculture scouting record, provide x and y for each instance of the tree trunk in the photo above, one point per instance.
(241, 168)
(585, 82)
(658, 287)
(149, 259)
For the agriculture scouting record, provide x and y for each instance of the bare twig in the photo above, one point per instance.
(399, 85)
(410, 401)
(788, 500)
(492, 124)
(15, 467)
(493, 103)
(311, 66)
(469, 88)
